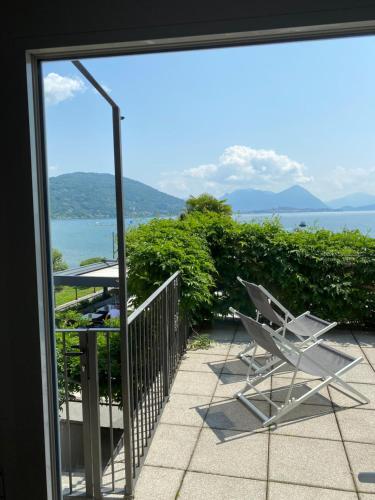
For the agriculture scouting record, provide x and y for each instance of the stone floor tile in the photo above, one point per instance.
(221, 348)
(351, 349)
(357, 425)
(343, 400)
(233, 415)
(198, 383)
(241, 336)
(339, 337)
(157, 483)
(172, 446)
(238, 347)
(309, 421)
(197, 486)
(370, 354)
(365, 339)
(362, 459)
(202, 362)
(228, 385)
(231, 453)
(280, 387)
(227, 324)
(234, 366)
(362, 373)
(183, 409)
(312, 462)
(281, 491)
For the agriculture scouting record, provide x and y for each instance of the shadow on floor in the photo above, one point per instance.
(232, 415)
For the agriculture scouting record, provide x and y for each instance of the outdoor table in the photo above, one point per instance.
(93, 316)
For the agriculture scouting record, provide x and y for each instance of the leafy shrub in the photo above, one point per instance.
(207, 203)
(331, 274)
(92, 260)
(58, 262)
(199, 341)
(160, 248)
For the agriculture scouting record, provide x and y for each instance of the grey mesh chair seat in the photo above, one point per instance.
(306, 327)
(318, 359)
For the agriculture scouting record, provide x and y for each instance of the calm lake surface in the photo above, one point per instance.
(80, 239)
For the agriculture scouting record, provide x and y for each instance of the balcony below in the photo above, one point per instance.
(209, 446)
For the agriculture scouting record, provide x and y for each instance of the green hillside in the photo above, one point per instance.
(83, 195)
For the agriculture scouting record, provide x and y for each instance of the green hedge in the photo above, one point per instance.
(331, 274)
(160, 248)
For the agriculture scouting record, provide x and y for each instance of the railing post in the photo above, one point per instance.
(165, 346)
(93, 377)
(90, 415)
(86, 427)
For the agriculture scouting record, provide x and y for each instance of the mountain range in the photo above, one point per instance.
(82, 195)
(354, 200)
(293, 198)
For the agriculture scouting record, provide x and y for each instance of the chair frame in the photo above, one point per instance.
(288, 317)
(290, 402)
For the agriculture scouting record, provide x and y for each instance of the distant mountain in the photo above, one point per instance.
(354, 200)
(82, 195)
(294, 198)
(366, 207)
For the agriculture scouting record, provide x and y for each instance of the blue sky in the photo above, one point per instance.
(265, 117)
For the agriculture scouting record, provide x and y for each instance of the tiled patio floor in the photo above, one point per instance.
(208, 446)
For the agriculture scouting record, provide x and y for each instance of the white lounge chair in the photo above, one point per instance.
(306, 327)
(318, 359)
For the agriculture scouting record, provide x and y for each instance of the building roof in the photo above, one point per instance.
(100, 274)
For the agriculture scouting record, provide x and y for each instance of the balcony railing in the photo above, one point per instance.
(94, 458)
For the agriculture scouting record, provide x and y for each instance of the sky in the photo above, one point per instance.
(217, 120)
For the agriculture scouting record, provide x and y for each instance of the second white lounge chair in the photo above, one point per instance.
(318, 359)
(306, 327)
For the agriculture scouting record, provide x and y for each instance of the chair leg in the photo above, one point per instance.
(252, 407)
(246, 359)
(360, 397)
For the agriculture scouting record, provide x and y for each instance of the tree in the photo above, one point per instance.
(207, 203)
(58, 263)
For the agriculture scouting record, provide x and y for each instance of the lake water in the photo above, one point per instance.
(80, 239)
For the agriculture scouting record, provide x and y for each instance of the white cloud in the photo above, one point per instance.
(341, 181)
(362, 178)
(237, 167)
(201, 172)
(59, 88)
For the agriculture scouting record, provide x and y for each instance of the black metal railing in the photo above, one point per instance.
(91, 398)
(157, 335)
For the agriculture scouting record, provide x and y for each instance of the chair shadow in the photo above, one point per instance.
(230, 419)
(317, 405)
